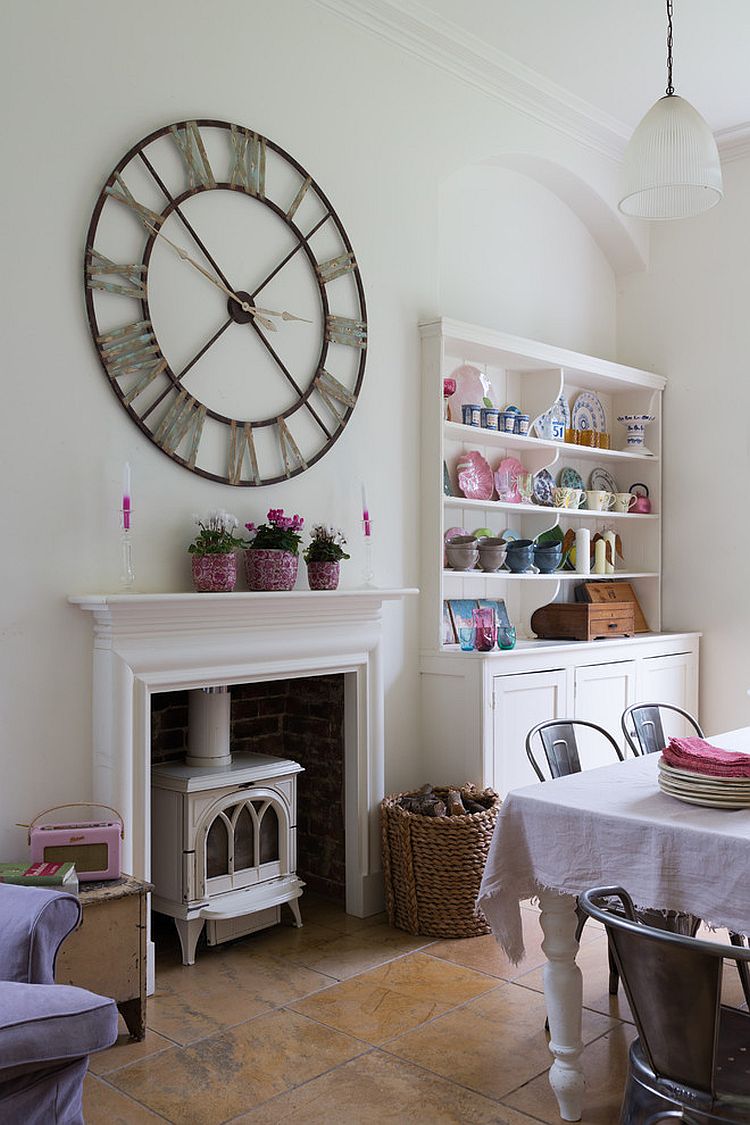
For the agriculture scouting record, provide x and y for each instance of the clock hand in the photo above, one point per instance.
(244, 305)
(284, 315)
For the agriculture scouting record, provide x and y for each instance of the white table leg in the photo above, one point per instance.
(563, 993)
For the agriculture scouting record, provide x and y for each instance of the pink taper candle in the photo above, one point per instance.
(126, 497)
(365, 513)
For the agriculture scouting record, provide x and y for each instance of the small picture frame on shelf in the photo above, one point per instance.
(450, 636)
(460, 611)
(501, 613)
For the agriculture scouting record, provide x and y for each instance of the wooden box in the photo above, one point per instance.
(107, 953)
(577, 621)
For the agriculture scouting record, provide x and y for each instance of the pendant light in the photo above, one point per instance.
(671, 165)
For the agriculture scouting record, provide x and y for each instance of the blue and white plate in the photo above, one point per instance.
(602, 480)
(588, 413)
(543, 488)
(559, 411)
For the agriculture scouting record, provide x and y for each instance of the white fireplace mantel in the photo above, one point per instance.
(146, 643)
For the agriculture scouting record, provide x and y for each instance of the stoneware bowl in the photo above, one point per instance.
(462, 556)
(520, 560)
(547, 559)
(520, 544)
(492, 553)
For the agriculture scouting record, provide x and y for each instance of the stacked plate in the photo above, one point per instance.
(704, 789)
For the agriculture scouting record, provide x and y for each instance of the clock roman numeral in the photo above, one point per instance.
(190, 143)
(248, 162)
(183, 419)
(290, 454)
(132, 350)
(241, 441)
(344, 330)
(122, 194)
(333, 392)
(335, 267)
(298, 199)
(99, 268)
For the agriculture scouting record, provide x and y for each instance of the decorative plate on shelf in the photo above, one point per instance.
(560, 409)
(588, 413)
(510, 535)
(475, 476)
(570, 478)
(472, 385)
(602, 479)
(555, 535)
(543, 488)
(512, 466)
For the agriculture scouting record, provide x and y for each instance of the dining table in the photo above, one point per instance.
(610, 826)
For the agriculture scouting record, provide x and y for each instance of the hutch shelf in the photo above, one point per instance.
(477, 707)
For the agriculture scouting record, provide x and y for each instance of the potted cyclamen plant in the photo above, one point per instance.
(323, 555)
(214, 559)
(272, 554)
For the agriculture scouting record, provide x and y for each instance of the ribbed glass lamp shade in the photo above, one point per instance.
(671, 165)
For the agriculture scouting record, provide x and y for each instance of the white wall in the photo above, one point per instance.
(687, 317)
(82, 82)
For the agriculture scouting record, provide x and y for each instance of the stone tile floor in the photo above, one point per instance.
(348, 1020)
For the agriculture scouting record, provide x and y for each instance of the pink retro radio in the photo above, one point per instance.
(92, 845)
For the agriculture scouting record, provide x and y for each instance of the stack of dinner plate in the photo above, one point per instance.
(703, 788)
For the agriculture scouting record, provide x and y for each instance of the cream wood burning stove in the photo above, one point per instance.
(223, 833)
(148, 643)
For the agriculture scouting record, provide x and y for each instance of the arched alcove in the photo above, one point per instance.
(527, 245)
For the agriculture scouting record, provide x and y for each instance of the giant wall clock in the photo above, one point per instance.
(225, 302)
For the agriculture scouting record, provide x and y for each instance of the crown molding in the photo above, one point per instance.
(412, 27)
(733, 143)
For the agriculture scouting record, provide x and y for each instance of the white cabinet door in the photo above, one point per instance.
(602, 692)
(520, 703)
(670, 679)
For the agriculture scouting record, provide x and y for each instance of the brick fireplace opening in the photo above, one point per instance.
(301, 719)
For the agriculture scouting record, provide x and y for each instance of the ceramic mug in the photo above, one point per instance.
(600, 501)
(624, 501)
(567, 497)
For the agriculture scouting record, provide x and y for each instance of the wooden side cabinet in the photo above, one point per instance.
(107, 953)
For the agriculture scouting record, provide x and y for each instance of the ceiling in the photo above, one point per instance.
(612, 55)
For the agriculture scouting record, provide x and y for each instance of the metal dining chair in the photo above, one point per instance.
(691, 1059)
(643, 728)
(558, 740)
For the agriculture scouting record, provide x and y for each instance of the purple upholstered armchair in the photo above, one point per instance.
(47, 1030)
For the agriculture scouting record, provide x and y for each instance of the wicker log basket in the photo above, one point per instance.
(433, 865)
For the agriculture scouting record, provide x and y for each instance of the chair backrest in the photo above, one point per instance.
(673, 985)
(643, 728)
(558, 740)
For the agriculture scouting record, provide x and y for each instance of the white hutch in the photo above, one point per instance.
(477, 707)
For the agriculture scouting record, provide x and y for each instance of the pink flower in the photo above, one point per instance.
(251, 526)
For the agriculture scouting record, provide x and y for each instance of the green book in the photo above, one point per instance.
(62, 875)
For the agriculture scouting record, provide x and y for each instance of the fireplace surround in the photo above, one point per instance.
(147, 643)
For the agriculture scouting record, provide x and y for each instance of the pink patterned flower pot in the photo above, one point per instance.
(214, 573)
(323, 575)
(268, 569)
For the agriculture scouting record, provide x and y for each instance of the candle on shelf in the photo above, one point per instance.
(365, 515)
(600, 557)
(609, 539)
(126, 498)
(583, 550)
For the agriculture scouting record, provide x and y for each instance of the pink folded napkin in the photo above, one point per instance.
(701, 757)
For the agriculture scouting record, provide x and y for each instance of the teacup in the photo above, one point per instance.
(600, 501)
(567, 497)
(624, 501)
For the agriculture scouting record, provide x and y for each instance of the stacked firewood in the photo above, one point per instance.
(445, 802)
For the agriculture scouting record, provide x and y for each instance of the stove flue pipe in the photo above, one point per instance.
(209, 727)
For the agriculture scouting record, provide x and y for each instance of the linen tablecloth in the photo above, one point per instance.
(614, 826)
